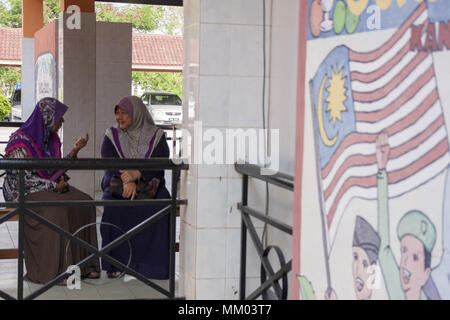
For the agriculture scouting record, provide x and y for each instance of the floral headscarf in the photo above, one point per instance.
(35, 134)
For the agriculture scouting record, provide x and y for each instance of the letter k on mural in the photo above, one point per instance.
(374, 214)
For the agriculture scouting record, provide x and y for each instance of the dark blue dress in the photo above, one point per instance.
(150, 247)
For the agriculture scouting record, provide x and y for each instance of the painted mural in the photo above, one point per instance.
(45, 57)
(45, 76)
(375, 206)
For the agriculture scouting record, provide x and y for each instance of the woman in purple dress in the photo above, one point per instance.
(135, 136)
(45, 250)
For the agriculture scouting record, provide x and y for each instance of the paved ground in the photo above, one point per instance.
(103, 288)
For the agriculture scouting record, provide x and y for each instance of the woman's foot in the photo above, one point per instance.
(92, 275)
(62, 283)
(113, 274)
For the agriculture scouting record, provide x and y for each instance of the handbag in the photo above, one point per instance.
(144, 190)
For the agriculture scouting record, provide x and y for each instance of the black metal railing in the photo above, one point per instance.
(171, 136)
(23, 208)
(283, 181)
(10, 124)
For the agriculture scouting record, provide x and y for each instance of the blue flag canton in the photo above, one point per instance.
(333, 103)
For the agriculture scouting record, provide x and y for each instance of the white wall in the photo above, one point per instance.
(223, 89)
(282, 111)
(28, 92)
(78, 91)
(95, 72)
(113, 77)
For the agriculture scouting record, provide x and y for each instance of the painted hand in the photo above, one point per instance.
(382, 151)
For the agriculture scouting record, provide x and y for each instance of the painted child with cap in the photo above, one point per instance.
(365, 247)
(417, 236)
(441, 272)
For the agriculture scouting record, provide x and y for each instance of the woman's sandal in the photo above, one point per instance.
(92, 275)
(62, 283)
(113, 274)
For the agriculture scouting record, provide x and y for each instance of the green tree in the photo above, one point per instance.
(159, 81)
(9, 77)
(148, 18)
(5, 107)
(51, 10)
(172, 21)
(11, 13)
(144, 18)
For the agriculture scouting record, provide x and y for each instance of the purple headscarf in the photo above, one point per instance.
(35, 135)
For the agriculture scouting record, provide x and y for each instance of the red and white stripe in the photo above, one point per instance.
(394, 90)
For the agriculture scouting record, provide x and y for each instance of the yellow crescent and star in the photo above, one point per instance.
(336, 99)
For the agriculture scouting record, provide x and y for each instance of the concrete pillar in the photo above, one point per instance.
(221, 89)
(32, 21)
(77, 83)
(94, 73)
(113, 77)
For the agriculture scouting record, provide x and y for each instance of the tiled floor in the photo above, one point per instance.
(100, 289)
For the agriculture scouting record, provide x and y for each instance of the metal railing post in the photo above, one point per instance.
(243, 272)
(21, 234)
(173, 212)
(283, 181)
(174, 142)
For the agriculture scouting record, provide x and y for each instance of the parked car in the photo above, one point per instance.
(165, 108)
(16, 106)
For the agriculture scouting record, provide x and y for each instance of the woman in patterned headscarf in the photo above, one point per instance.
(45, 250)
(136, 136)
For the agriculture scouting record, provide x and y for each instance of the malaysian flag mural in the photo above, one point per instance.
(379, 148)
(391, 89)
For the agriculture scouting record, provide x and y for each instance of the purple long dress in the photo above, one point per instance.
(150, 247)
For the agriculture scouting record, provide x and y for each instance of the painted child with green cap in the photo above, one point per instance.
(417, 235)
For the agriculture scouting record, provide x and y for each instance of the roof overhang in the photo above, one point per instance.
(149, 68)
(10, 63)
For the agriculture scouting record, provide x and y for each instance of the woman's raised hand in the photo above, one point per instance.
(129, 175)
(382, 150)
(80, 144)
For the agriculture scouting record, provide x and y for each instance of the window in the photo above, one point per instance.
(16, 97)
(165, 99)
